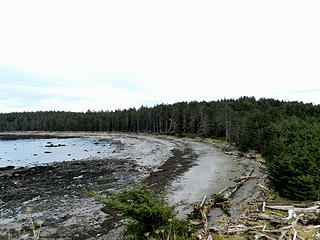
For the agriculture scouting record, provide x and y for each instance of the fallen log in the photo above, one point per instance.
(272, 230)
(306, 210)
(279, 207)
(294, 234)
(295, 209)
(261, 186)
(203, 201)
(227, 192)
(263, 207)
(203, 211)
(241, 178)
(290, 215)
(283, 234)
(268, 217)
(264, 216)
(237, 229)
(313, 227)
(256, 227)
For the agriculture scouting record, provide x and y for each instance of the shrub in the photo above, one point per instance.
(150, 215)
(294, 158)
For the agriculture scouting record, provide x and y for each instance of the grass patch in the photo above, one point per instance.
(307, 234)
(188, 135)
(276, 212)
(224, 237)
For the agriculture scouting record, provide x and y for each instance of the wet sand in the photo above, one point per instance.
(187, 169)
(212, 173)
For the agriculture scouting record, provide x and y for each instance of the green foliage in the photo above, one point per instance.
(294, 158)
(188, 135)
(149, 214)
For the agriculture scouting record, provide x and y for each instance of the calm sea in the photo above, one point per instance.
(30, 152)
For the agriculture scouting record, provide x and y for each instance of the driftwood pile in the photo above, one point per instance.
(269, 223)
(275, 225)
(262, 220)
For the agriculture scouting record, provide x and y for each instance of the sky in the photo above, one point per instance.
(77, 55)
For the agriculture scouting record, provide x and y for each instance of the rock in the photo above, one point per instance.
(52, 145)
(6, 168)
(48, 232)
(228, 153)
(78, 177)
(6, 175)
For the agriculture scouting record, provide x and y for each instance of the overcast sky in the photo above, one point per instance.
(104, 55)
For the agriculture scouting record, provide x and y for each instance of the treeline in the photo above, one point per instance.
(287, 133)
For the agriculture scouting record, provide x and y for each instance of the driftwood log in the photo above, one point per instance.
(295, 209)
(239, 179)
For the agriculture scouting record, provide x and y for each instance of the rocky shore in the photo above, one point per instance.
(54, 193)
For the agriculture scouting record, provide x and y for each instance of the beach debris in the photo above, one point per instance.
(241, 178)
(297, 221)
(78, 177)
(58, 145)
(264, 217)
(194, 223)
(201, 210)
(263, 207)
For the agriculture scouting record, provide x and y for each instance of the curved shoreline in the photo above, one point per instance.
(186, 183)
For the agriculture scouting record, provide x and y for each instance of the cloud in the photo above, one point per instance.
(35, 92)
(303, 95)
(120, 54)
(306, 91)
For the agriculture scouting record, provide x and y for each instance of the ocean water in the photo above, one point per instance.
(31, 152)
